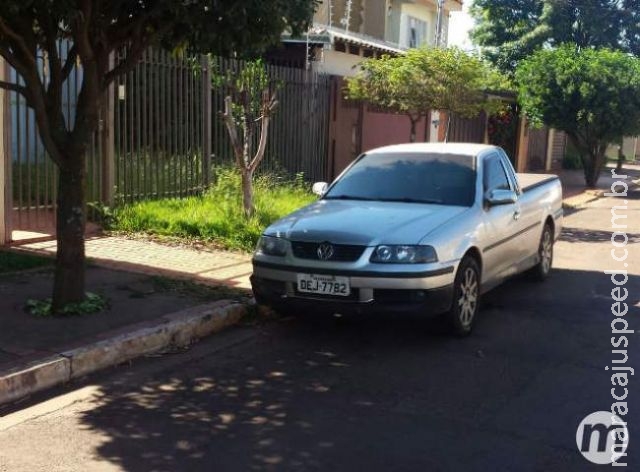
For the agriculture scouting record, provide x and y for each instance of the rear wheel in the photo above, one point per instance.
(466, 297)
(541, 271)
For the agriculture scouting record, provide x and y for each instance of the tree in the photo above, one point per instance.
(250, 102)
(591, 94)
(31, 30)
(510, 30)
(427, 79)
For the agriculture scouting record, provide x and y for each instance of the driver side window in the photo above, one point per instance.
(495, 177)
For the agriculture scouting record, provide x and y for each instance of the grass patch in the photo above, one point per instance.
(13, 261)
(92, 303)
(217, 215)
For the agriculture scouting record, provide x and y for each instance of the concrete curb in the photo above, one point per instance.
(588, 196)
(176, 329)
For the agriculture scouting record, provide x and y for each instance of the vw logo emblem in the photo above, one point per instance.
(325, 251)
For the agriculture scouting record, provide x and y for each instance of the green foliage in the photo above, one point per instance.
(247, 88)
(511, 30)
(224, 26)
(571, 161)
(591, 94)
(428, 79)
(13, 261)
(217, 216)
(108, 39)
(101, 214)
(92, 303)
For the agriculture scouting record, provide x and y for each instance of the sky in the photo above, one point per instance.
(459, 25)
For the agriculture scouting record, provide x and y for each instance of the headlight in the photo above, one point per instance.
(271, 246)
(404, 254)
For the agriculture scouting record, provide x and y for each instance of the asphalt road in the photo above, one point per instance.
(374, 394)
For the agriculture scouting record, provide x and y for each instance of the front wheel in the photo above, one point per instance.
(541, 270)
(466, 297)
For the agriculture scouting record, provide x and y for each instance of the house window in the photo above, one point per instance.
(417, 32)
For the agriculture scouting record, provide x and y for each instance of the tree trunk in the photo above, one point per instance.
(621, 159)
(247, 192)
(412, 135)
(69, 280)
(446, 133)
(592, 156)
(592, 168)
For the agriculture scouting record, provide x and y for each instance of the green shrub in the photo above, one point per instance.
(217, 215)
(571, 161)
(13, 261)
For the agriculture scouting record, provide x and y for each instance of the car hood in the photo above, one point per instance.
(363, 222)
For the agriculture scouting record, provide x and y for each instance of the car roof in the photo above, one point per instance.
(462, 149)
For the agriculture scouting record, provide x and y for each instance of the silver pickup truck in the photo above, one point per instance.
(422, 227)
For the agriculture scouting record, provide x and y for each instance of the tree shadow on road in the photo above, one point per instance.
(579, 235)
(307, 396)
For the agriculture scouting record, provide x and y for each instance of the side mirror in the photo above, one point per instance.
(501, 197)
(320, 188)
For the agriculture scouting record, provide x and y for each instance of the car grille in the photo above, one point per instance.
(341, 252)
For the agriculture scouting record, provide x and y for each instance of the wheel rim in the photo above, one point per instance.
(546, 251)
(468, 299)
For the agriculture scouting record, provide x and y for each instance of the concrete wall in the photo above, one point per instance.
(338, 63)
(354, 128)
(4, 163)
(375, 18)
(422, 13)
(630, 148)
(383, 129)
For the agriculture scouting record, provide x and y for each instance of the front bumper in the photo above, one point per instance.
(425, 293)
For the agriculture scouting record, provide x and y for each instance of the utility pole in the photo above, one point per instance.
(439, 23)
(347, 16)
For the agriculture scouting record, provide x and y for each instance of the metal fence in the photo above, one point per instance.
(162, 135)
(298, 133)
(163, 108)
(158, 129)
(33, 176)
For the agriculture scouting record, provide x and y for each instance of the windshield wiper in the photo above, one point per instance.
(347, 197)
(409, 200)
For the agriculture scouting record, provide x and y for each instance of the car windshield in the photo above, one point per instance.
(446, 179)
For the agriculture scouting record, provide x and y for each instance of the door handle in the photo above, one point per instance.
(516, 214)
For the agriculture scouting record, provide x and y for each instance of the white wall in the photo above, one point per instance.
(420, 12)
(339, 63)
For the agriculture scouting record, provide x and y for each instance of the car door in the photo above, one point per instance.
(529, 228)
(501, 223)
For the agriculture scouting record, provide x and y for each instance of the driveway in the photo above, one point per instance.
(375, 394)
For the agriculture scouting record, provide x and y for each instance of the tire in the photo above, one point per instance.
(466, 297)
(540, 272)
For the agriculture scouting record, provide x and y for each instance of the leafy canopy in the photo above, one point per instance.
(510, 30)
(30, 34)
(428, 79)
(592, 94)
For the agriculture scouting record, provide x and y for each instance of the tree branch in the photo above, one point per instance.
(19, 42)
(269, 105)
(233, 131)
(21, 89)
(70, 62)
(127, 64)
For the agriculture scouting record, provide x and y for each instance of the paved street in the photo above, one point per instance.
(375, 394)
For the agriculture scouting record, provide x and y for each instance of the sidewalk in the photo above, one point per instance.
(145, 314)
(574, 192)
(211, 267)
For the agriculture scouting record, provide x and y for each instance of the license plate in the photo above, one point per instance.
(324, 284)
